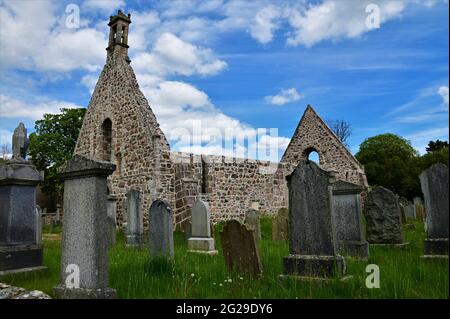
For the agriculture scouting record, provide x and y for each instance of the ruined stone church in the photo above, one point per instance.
(121, 128)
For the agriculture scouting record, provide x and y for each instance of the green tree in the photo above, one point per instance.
(390, 161)
(53, 144)
(437, 145)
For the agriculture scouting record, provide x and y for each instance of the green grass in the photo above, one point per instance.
(403, 274)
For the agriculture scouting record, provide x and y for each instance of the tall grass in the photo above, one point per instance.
(403, 274)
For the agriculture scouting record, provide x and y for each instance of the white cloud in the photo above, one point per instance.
(89, 80)
(443, 92)
(265, 24)
(420, 139)
(104, 5)
(14, 108)
(334, 20)
(284, 97)
(171, 55)
(47, 45)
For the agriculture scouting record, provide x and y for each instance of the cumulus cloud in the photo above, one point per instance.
(265, 24)
(15, 108)
(48, 45)
(284, 97)
(443, 92)
(171, 55)
(334, 20)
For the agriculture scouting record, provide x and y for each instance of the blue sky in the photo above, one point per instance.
(238, 64)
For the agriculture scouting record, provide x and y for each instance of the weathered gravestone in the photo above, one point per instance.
(382, 213)
(434, 183)
(240, 249)
(160, 230)
(20, 250)
(253, 223)
(312, 243)
(84, 259)
(348, 218)
(410, 212)
(280, 225)
(201, 240)
(402, 213)
(111, 207)
(135, 221)
(419, 208)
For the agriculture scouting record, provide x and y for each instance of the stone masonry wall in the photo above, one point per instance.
(138, 146)
(312, 134)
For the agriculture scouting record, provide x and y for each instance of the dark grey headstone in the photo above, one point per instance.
(348, 216)
(240, 249)
(312, 243)
(253, 223)
(161, 230)
(85, 238)
(135, 221)
(20, 248)
(382, 213)
(434, 182)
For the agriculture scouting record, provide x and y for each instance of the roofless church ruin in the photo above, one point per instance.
(121, 128)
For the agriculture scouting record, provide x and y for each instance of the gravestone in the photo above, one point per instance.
(402, 214)
(280, 225)
(201, 240)
(112, 218)
(348, 216)
(19, 143)
(382, 213)
(240, 249)
(84, 236)
(312, 243)
(135, 222)
(434, 183)
(160, 230)
(253, 223)
(58, 213)
(419, 208)
(20, 250)
(410, 211)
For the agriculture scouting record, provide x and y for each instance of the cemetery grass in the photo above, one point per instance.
(403, 274)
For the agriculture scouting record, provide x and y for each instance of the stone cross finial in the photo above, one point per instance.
(20, 142)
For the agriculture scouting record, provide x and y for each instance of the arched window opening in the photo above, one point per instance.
(311, 154)
(106, 140)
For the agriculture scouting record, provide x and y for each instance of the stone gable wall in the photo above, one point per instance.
(312, 134)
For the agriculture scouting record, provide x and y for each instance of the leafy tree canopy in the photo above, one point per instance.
(53, 144)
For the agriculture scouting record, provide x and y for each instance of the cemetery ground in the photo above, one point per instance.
(403, 273)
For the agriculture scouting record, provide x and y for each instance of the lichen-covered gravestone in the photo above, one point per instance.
(280, 225)
(434, 183)
(135, 222)
(160, 230)
(312, 243)
(348, 217)
(201, 240)
(382, 213)
(240, 249)
(253, 222)
(85, 242)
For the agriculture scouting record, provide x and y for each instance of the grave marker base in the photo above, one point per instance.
(62, 292)
(314, 266)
